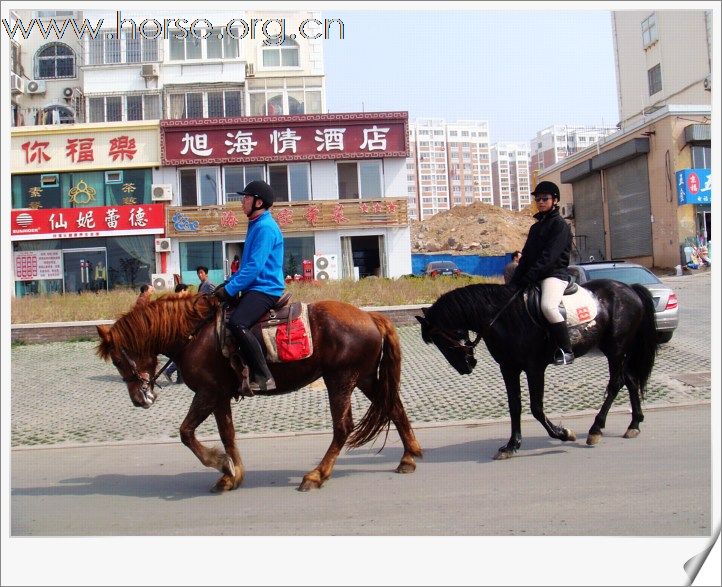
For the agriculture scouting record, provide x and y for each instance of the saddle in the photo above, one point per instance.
(283, 332)
(578, 306)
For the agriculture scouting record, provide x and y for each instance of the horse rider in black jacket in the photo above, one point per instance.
(545, 259)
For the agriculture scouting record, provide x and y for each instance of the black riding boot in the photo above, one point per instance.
(261, 380)
(560, 334)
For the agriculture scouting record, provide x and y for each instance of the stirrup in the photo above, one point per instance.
(563, 358)
(268, 385)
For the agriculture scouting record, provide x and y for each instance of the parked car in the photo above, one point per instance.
(665, 300)
(442, 268)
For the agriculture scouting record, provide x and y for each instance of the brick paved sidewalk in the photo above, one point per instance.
(63, 393)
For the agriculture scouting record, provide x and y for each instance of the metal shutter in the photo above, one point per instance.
(626, 187)
(589, 217)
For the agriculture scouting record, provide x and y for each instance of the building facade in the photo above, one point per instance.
(645, 193)
(663, 57)
(557, 142)
(624, 198)
(83, 214)
(119, 135)
(450, 165)
(510, 175)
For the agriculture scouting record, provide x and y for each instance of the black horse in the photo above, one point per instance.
(624, 330)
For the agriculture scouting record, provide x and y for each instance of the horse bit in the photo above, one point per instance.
(152, 382)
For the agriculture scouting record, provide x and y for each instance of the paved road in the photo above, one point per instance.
(655, 485)
(63, 394)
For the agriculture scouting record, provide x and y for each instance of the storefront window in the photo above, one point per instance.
(82, 189)
(296, 250)
(208, 254)
(130, 263)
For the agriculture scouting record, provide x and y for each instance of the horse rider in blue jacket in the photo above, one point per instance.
(259, 279)
(545, 259)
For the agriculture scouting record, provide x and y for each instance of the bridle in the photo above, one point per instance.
(137, 377)
(466, 344)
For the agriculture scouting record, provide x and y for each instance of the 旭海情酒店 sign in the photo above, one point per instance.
(284, 138)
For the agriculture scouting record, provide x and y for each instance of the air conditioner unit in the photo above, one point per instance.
(35, 87)
(161, 192)
(17, 84)
(708, 83)
(250, 70)
(162, 282)
(149, 70)
(68, 92)
(162, 245)
(325, 267)
(567, 210)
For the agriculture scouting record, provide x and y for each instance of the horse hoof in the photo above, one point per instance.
(406, 468)
(307, 485)
(228, 468)
(571, 437)
(593, 439)
(502, 455)
(631, 433)
(223, 484)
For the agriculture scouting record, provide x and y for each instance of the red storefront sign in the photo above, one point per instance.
(87, 222)
(253, 139)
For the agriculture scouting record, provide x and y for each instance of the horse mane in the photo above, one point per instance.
(158, 323)
(473, 306)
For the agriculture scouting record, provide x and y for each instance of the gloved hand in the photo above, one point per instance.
(221, 293)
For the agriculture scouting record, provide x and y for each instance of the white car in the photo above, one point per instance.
(665, 300)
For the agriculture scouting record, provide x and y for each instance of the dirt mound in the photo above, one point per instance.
(477, 229)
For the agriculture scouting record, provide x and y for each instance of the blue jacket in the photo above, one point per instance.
(262, 263)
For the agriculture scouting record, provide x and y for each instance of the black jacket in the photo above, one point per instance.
(547, 250)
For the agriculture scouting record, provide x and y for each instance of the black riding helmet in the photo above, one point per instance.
(547, 187)
(261, 190)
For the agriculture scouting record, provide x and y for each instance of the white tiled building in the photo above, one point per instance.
(449, 165)
(556, 142)
(510, 172)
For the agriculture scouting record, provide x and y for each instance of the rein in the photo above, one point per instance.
(154, 381)
(468, 345)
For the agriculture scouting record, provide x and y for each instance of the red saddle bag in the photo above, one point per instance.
(292, 341)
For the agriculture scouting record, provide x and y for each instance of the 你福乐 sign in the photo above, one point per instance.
(284, 138)
(32, 265)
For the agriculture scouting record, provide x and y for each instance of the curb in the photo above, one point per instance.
(416, 426)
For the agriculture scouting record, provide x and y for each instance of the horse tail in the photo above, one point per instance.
(386, 396)
(640, 358)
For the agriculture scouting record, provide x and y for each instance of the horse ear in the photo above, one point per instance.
(104, 332)
(424, 311)
(421, 320)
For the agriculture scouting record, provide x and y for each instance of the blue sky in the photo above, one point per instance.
(520, 70)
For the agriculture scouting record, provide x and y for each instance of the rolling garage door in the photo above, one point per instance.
(626, 187)
(589, 218)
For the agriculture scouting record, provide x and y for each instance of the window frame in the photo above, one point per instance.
(207, 170)
(650, 31)
(289, 46)
(361, 195)
(654, 79)
(308, 86)
(205, 105)
(203, 41)
(54, 45)
(299, 165)
(123, 107)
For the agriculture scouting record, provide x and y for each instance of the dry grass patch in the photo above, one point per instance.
(366, 292)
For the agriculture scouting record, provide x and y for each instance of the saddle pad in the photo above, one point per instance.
(288, 341)
(581, 307)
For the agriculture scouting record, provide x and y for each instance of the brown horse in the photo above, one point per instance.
(352, 348)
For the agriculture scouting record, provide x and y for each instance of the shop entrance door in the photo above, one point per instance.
(230, 250)
(85, 270)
